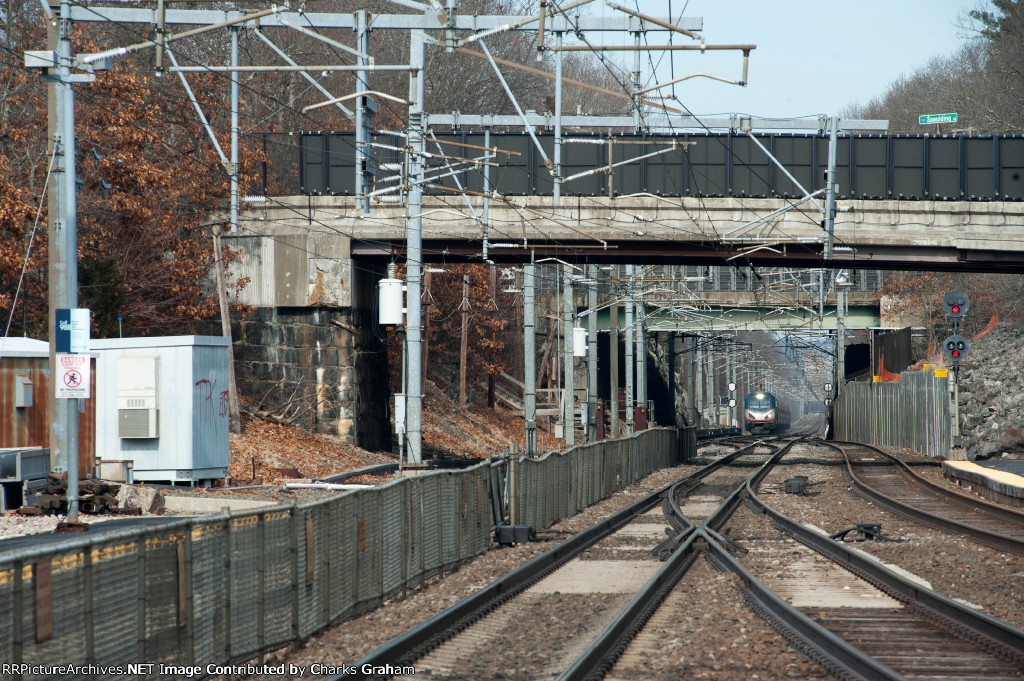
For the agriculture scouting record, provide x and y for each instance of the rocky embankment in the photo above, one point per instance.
(992, 394)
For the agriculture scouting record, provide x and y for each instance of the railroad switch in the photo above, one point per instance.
(870, 532)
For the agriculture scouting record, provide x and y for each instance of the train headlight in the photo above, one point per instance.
(770, 415)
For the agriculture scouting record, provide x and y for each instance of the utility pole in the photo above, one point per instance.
(365, 107)
(414, 258)
(737, 395)
(670, 359)
(63, 252)
(613, 362)
(530, 358)
(592, 356)
(728, 380)
(693, 417)
(709, 377)
(464, 341)
(831, 188)
(556, 189)
(641, 358)
(494, 334)
(628, 343)
(568, 361)
(841, 284)
(234, 416)
(427, 303)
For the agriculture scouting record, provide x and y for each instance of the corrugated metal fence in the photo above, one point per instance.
(227, 588)
(561, 484)
(913, 412)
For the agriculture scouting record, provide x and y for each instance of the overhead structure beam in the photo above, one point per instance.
(515, 103)
(673, 123)
(407, 22)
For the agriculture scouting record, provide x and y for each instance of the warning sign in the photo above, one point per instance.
(73, 376)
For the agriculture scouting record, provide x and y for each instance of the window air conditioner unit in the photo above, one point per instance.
(137, 412)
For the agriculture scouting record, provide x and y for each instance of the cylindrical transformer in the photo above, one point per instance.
(390, 301)
(579, 342)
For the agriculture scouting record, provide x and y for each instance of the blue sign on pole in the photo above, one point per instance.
(62, 317)
(72, 330)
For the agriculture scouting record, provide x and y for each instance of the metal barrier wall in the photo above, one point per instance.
(913, 167)
(227, 588)
(560, 484)
(913, 412)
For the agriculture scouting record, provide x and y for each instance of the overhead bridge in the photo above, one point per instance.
(705, 165)
(906, 202)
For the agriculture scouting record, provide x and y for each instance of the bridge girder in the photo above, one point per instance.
(890, 235)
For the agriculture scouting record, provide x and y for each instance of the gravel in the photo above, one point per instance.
(955, 567)
(13, 525)
(709, 633)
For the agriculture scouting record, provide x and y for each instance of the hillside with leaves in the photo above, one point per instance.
(983, 81)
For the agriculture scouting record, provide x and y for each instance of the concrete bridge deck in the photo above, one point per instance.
(875, 234)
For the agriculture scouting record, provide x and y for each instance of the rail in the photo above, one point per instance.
(823, 645)
(978, 511)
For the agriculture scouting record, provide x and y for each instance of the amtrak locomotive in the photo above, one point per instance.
(762, 413)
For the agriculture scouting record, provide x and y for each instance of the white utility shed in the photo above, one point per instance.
(162, 403)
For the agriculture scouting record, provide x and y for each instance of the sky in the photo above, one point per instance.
(812, 57)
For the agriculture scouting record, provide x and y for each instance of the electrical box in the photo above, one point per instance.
(579, 342)
(40, 59)
(164, 407)
(390, 302)
(137, 409)
(22, 392)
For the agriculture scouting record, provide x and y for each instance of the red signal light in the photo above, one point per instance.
(956, 354)
(956, 309)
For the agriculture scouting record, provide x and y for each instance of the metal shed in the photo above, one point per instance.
(24, 401)
(162, 403)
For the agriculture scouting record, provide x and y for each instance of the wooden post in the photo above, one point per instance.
(463, 347)
(234, 419)
(545, 364)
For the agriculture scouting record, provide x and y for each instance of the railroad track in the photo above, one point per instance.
(846, 611)
(888, 482)
(575, 590)
(916, 633)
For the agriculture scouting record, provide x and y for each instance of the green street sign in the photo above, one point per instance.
(932, 119)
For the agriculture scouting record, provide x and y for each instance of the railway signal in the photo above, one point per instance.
(955, 304)
(956, 348)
